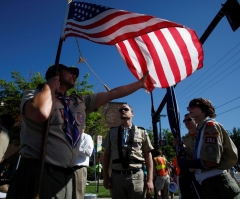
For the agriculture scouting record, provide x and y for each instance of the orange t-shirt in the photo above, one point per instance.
(177, 169)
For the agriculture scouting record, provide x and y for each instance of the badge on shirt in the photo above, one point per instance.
(210, 149)
(80, 117)
(210, 140)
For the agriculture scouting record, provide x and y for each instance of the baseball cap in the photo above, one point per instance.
(51, 70)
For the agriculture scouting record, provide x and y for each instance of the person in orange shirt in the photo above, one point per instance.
(162, 179)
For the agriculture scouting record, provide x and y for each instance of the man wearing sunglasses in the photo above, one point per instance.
(127, 146)
(188, 185)
(188, 190)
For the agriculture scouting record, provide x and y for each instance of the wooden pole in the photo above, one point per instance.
(39, 178)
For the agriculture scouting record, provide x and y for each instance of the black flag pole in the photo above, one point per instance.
(42, 157)
(39, 177)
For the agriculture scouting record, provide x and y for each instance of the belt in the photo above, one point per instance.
(131, 161)
(78, 167)
(126, 172)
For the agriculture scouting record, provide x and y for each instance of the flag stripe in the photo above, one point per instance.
(168, 50)
(166, 69)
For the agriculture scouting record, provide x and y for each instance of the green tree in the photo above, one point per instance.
(235, 136)
(167, 150)
(11, 94)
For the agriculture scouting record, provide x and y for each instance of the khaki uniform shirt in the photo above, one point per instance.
(188, 141)
(215, 145)
(141, 144)
(60, 151)
(4, 141)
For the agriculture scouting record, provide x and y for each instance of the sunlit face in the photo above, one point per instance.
(125, 112)
(189, 122)
(67, 78)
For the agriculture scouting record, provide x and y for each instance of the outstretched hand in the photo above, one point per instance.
(144, 79)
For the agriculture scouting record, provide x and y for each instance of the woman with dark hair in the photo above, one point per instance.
(214, 154)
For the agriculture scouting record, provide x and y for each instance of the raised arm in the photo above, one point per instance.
(40, 106)
(122, 91)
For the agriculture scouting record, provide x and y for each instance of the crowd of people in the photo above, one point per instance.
(136, 168)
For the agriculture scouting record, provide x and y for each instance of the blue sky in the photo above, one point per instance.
(30, 32)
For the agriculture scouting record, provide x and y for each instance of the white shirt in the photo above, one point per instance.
(85, 150)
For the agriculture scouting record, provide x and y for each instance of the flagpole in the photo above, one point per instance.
(41, 164)
(39, 177)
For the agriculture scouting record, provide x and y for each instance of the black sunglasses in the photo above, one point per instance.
(189, 120)
(123, 109)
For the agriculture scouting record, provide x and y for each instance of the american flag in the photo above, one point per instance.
(169, 51)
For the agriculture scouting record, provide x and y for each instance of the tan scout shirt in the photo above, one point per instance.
(215, 145)
(60, 151)
(141, 144)
(188, 141)
(4, 141)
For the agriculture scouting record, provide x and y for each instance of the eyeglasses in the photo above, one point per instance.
(123, 109)
(191, 107)
(189, 120)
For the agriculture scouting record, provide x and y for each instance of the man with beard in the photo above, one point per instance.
(127, 146)
(67, 119)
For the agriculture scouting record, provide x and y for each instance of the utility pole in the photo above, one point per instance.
(160, 129)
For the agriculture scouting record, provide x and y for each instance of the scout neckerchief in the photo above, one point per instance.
(198, 136)
(125, 161)
(69, 118)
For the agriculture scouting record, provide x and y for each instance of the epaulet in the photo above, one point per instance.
(141, 127)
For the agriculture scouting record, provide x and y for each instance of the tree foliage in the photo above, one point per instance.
(11, 94)
(167, 150)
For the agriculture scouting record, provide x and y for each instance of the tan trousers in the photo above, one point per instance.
(79, 183)
(127, 186)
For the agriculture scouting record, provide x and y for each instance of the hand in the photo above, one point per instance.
(143, 80)
(150, 187)
(175, 142)
(107, 182)
(54, 83)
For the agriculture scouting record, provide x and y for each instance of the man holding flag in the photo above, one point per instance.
(67, 116)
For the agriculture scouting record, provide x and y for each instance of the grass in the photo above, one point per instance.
(102, 192)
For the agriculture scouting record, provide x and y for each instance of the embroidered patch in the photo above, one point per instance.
(211, 134)
(210, 123)
(80, 117)
(211, 140)
(210, 149)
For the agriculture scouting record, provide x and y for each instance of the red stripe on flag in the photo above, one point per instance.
(140, 58)
(198, 46)
(156, 60)
(170, 56)
(184, 50)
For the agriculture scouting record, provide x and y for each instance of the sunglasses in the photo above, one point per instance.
(191, 107)
(189, 120)
(123, 109)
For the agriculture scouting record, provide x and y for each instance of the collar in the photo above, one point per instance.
(123, 128)
(200, 125)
